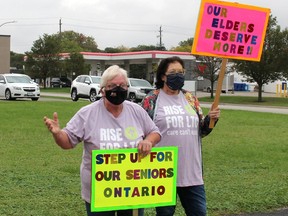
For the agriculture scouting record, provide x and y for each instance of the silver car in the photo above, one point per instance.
(138, 89)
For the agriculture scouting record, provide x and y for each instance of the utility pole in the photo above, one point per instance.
(160, 36)
(60, 25)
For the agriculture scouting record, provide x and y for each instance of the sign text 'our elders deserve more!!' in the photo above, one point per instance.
(230, 30)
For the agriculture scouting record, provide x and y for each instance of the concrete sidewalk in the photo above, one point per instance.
(255, 108)
(237, 93)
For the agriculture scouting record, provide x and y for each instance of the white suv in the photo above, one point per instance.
(138, 88)
(85, 86)
(14, 86)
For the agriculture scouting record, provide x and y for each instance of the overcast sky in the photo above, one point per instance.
(112, 23)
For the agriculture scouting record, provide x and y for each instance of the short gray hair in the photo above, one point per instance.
(111, 72)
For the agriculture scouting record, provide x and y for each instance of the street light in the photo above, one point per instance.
(7, 23)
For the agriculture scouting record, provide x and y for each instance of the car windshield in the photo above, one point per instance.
(96, 80)
(18, 79)
(142, 83)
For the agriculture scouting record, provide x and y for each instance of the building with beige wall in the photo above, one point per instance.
(4, 54)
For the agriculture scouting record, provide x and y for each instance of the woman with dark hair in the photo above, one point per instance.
(180, 119)
(162, 68)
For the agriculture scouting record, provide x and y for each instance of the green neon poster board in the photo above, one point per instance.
(120, 179)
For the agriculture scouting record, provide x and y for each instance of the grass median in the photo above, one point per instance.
(245, 162)
(56, 90)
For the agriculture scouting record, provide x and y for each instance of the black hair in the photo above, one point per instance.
(162, 68)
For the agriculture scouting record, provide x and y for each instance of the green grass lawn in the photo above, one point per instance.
(245, 162)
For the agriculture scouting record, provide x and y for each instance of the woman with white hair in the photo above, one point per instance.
(111, 113)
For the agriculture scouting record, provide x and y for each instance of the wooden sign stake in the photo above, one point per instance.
(219, 89)
(135, 212)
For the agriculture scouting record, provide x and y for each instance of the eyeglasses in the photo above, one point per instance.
(174, 72)
(112, 86)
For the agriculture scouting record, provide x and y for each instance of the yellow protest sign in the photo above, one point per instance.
(123, 180)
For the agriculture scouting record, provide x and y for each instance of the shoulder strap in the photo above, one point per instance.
(194, 103)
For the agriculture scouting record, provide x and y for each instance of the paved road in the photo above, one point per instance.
(255, 108)
(249, 108)
(54, 95)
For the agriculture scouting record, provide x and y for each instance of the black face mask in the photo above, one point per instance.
(116, 95)
(175, 81)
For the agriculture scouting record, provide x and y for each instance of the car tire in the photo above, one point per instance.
(8, 95)
(132, 97)
(74, 95)
(35, 99)
(93, 96)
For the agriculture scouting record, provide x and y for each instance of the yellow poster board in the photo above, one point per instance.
(123, 180)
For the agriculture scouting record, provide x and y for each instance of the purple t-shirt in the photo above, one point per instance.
(179, 125)
(99, 129)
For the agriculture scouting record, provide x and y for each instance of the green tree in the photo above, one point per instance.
(16, 60)
(75, 65)
(145, 48)
(284, 57)
(271, 64)
(184, 46)
(117, 49)
(138, 71)
(76, 42)
(208, 67)
(43, 59)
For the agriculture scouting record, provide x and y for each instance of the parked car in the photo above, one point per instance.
(138, 88)
(14, 86)
(60, 82)
(86, 86)
(208, 89)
